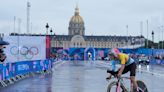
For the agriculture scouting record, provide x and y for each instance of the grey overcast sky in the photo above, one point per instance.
(101, 17)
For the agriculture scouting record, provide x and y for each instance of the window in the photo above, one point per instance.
(74, 44)
(117, 44)
(76, 25)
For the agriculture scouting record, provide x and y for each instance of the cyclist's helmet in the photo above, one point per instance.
(114, 52)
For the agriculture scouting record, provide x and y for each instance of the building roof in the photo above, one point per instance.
(76, 18)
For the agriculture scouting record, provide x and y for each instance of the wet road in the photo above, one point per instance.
(81, 77)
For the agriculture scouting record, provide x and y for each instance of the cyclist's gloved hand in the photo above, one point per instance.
(119, 75)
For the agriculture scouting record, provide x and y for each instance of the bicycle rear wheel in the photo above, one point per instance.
(112, 87)
(142, 86)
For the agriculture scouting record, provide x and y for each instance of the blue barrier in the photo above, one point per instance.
(1, 72)
(8, 70)
(23, 67)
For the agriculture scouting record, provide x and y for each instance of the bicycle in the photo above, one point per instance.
(119, 85)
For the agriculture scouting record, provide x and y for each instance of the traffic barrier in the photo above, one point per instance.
(13, 72)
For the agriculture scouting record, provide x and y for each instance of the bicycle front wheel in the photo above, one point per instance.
(112, 87)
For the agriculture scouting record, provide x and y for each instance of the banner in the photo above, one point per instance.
(23, 67)
(25, 48)
(8, 70)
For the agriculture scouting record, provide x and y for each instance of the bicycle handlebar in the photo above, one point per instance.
(115, 74)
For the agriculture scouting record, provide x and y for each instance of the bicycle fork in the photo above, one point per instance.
(118, 87)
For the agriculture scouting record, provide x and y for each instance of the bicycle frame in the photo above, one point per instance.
(120, 83)
(118, 88)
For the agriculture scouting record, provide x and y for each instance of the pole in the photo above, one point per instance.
(162, 37)
(47, 26)
(141, 26)
(127, 34)
(152, 48)
(51, 31)
(14, 24)
(28, 16)
(159, 39)
(18, 39)
(152, 39)
(31, 27)
(147, 33)
(19, 26)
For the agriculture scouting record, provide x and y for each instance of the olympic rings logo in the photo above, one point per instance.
(27, 52)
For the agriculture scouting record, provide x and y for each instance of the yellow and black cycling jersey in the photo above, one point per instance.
(125, 59)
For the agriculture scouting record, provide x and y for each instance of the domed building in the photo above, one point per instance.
(76, 37)
(76, 24)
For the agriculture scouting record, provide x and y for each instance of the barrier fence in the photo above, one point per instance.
(9, 70)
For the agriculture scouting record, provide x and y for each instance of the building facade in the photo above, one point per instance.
(76, 37)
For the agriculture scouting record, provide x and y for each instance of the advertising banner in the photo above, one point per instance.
(8, 70)
(5, 71)
(23, 67)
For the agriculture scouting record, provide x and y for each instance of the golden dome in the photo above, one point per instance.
(76, 18)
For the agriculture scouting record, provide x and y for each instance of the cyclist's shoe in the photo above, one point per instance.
(139, 91)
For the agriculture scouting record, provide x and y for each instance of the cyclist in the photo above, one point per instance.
(127, 64)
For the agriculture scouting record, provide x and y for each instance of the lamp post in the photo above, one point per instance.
(152, 42)
(152, 38)
(147, 33)
(127, 35)
(141, 28)
(51, 31)
(47, 26)
(159, 37)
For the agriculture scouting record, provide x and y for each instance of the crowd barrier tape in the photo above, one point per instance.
(8, 70)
